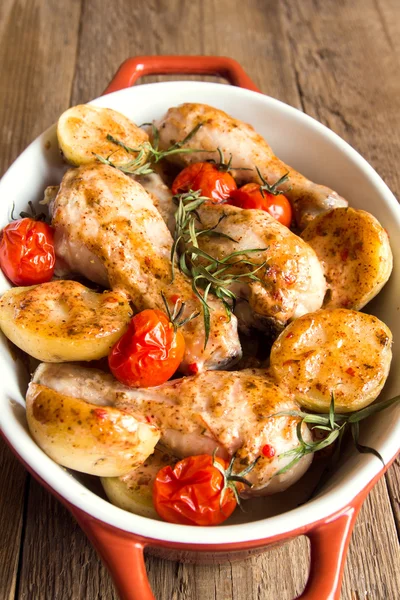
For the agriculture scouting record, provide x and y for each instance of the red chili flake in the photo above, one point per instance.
(100, 413)
(271, 272)
(344, 254)
(289, 335)
(148, 419)
(268, 451)
(350, 371)
(193, 368)
(147, 261)
(175, 298)
(289, 278)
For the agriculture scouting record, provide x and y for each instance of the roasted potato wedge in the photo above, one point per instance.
(338, 351)
(63, 321)
(355, 254)
(86, 437)
(82, 132)
(133, 491)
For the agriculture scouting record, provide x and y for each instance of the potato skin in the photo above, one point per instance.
(334, 350)
(98, 440)
(355, 254)
(63, 321)
(82, 132)
(134, 491)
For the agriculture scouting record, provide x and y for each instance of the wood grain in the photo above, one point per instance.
(12, 484)
(33, 43)
(337, 89)
(58, 561)
(313, 54)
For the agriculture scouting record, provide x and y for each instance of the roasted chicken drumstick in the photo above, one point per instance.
(248, 150)
(107, 228)
(232, 411)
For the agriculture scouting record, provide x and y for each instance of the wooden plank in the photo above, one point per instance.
(12, 484)
(37, 54)
(337, 89)
(388, 13)
(278, 573)
(58, 561)
(372, 567)
(55, 551)
(393, 483)
(159, 27)
(32, 38)
(348, 75)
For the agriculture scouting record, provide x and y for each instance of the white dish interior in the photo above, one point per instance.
(313, 150)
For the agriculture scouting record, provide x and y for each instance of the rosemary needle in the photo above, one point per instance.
(208, 274)
(335, 425)
(146, 153)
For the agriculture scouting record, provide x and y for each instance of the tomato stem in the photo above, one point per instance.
(174, 317)
(230, 478)
(271, 189)
(226, 167)
(28, 215)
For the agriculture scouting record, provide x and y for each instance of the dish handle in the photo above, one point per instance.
(329, 542)
(122, 553)
(133, 68)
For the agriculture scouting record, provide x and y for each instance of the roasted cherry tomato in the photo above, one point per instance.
(209, 178)
(251, 195)
(193, 493)
(27, 252)
(149, 353)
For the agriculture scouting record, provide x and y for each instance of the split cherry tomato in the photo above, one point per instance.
(209, 178)
(193, 493)
(27, 252)
(251, 195)
(149, 353)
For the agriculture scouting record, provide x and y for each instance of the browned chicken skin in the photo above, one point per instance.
(248, 150)
(108, 229)
(292, 282)
(231, 411)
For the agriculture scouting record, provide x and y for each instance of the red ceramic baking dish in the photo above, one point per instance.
(328, 518)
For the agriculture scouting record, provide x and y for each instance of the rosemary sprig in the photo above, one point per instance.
(207, 274)
(147, 154)
(335, 425)
(230, 478)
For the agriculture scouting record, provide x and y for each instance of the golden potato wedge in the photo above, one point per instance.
(334, 350)
(86, 437)
(355, 254)
(133, 491)
(82, 132)
(63, 321)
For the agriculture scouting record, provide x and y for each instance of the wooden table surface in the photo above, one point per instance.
(338, 60)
